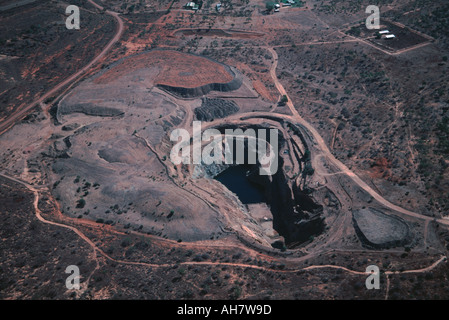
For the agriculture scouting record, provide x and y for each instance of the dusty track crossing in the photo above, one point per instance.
(324, 151)
(19, 114)
(207, 263)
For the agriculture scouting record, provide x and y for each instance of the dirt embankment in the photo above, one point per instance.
(89, 109)
(185, 91)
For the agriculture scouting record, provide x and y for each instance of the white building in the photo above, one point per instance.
(192, 6)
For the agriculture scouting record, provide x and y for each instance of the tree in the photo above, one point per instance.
(308, 170)
(269, 5)
(81, 203)
(283, 101)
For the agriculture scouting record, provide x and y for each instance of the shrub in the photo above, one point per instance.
(283, 100)
(126, 242)
(81, 203)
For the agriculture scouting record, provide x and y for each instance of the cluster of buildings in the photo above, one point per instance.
(192, 6)
(386, 34)
(289, 3)
(196, 5)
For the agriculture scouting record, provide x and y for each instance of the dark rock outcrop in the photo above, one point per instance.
(215, 109)
(296, 215)
(296, 218)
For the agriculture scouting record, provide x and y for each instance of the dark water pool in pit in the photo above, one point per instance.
(234, 178)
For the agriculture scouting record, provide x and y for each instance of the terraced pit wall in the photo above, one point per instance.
(296, 215)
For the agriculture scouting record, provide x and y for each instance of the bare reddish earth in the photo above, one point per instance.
(381, 168)
(177, 69)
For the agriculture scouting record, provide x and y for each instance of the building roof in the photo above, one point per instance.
(192, 5)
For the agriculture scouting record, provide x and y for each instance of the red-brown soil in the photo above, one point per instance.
(177, 69)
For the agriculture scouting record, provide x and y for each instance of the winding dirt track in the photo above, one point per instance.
(207, 263)
(19, 114)
(318, 140)
(321, 145)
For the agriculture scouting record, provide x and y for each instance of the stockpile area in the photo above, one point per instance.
(376, 229)
(215, 108)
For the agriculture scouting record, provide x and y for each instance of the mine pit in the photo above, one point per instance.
(275, 200)
(88, 126)
(236, 179)
(153, 103)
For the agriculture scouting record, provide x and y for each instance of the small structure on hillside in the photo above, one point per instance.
(385, 34)
(191, 6)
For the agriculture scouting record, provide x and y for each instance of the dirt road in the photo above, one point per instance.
(20, 113)
(321, 145)
(97, 251)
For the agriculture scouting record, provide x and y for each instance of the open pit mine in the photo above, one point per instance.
(107, 160)
(238, 149)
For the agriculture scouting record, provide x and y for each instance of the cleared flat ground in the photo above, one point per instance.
(380, 229)
(176, 69)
